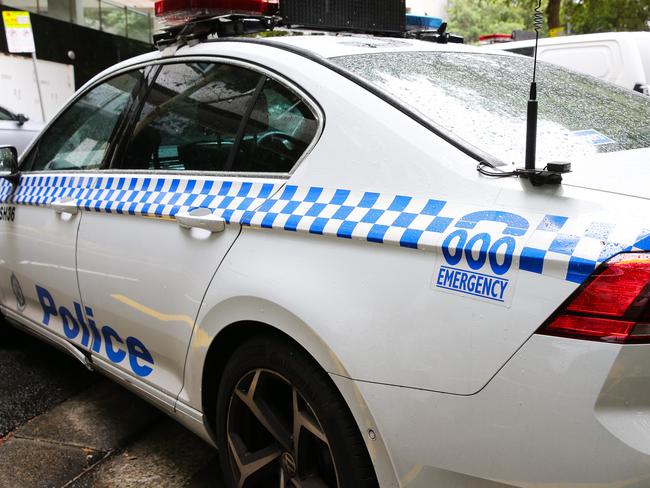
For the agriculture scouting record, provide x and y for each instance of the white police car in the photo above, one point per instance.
(286, 245)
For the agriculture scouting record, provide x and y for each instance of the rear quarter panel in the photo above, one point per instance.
(372, 311)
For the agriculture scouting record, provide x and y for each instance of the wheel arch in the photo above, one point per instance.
(232, 321)
(226, 338)
(219, 353)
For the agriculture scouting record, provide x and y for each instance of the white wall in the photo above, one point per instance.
(19, 93)
(435, 8)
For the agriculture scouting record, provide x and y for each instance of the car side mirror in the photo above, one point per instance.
(9, 164)
(21, 119)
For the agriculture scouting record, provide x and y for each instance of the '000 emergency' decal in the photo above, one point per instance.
(478, 256)
(483, 252)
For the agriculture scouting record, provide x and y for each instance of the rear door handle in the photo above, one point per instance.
(201, 218)
(65, 205)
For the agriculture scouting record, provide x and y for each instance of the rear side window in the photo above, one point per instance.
(280, 128)
(218, 117)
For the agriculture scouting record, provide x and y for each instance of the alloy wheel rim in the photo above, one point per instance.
(274, 437)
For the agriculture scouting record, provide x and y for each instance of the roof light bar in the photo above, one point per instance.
(174, 12)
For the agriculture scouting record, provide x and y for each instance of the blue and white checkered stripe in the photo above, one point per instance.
(402, 220)
(396, 219)
(569, 249)
(146, 196)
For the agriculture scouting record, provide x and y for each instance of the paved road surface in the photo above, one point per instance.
(64, 427)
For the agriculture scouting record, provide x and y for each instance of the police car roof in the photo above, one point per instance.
(326, 45)
(344, 44)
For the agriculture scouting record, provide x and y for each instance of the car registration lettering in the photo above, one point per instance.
(7, 213)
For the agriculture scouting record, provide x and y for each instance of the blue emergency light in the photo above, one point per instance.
(419, 22)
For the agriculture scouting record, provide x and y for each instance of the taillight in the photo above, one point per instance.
(613, 305)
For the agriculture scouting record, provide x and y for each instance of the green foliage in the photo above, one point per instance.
(474, 18)
(139, 26)
(586, 16)
(276, 33)
(113, 20)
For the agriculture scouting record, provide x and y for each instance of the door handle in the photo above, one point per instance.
(65, 205)
(201, 218)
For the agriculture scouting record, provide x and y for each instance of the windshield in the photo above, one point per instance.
(482, 98)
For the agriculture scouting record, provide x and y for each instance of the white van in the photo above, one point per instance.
(622, 58)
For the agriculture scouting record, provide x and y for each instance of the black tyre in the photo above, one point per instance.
(282, 423)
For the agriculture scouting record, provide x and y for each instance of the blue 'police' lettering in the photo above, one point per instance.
(47, 304)
(85, 334)
(97, 338)
(70, 325)
(116, 349)
(138, 351)
(115, 354)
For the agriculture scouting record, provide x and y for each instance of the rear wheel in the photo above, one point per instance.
(282, 423)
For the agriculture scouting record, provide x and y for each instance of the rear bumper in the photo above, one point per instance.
(561, 413)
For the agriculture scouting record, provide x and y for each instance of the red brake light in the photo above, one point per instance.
(612, 306)
(181, 11)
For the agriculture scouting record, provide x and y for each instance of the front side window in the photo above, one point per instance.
(217, 117)
(80, 137)
(481, 99)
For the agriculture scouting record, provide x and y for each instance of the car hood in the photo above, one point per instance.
(623, 172)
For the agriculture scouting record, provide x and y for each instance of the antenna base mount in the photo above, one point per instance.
(551, 175)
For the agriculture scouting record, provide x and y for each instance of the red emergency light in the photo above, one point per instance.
(494, 39)
(180, 11)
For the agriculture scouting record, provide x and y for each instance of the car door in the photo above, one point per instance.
(38, 275)
(169, 211)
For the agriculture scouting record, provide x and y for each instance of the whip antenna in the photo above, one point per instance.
(553, 171)
(531, 118)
